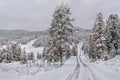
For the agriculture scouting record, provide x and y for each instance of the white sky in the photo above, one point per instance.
(37, 14)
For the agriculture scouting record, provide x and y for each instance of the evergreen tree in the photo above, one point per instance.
(112, 34)
(8, 55)
(15, 51)
(23, 57)
(97, 39)
(74, 50)
(12, 52)
(61, 28)
(1, 55)
(39, 56)
(30, 56)
(91, 47)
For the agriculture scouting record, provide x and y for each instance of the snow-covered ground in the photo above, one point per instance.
(79, 68)
(15, 71)
(29, 48)
(99, 70)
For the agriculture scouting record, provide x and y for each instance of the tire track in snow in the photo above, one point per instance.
(91, 76)
(75, 74)
(85, 66)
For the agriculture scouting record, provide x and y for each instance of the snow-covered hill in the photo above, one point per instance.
(23, 37)
(30, 48)
(20, 36)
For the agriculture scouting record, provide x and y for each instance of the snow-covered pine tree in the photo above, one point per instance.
(1, 55)
(16, 51)
(1, 58)
(74, 50)
(12, 52)
(39, 56)
(98, 36)
(30, 56)
(61, 28)
(91, 47)
(8, 55)
(23, 57)
(112, 34)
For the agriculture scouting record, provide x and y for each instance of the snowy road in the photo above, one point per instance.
(85, 71)
(82, 71)
(94, 71)
(74, 74)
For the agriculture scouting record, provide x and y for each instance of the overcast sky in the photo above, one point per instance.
(37, 14)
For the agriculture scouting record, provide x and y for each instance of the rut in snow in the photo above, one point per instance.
(75, 74)
(91, 76)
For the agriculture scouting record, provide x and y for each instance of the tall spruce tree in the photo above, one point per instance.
(61, 28)
(112, 34)
(98, 36)
(91, 47)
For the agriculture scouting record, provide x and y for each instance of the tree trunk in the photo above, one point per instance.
(61, 61)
